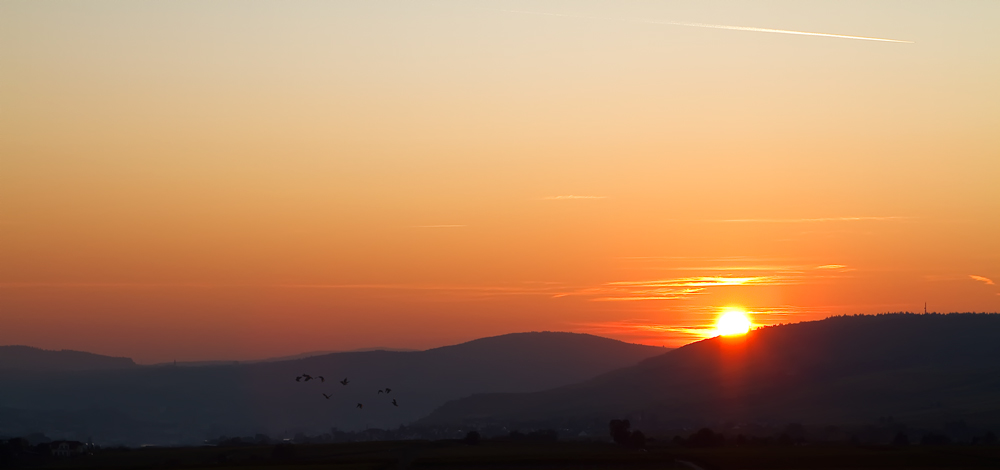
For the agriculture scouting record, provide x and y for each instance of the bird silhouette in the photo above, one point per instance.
(381, 391)
(394, 402)
(344, 382)
(307, 377)
(387, 390)
(321, 379)
(360, 406)
(326, 396)
(298, 379)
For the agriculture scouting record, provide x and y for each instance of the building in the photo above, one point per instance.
(67, 448)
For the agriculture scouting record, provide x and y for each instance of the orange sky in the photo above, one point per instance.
(236, 180)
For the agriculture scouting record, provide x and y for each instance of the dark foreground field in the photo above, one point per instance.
(512, 455)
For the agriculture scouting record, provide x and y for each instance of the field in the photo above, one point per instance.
(497, 455)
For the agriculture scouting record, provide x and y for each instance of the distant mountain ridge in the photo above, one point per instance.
(172, 405)
(275, 359)
(36, 359)
(919, 368)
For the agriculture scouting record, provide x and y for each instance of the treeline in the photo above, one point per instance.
(467, 435)
(972, 316)
(18, 450)
(795, 435)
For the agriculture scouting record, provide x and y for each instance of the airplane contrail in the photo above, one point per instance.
(782, 31)
(720, 26)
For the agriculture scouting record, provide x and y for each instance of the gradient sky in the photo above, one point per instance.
(241, 179)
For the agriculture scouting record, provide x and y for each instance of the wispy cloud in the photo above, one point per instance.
(700, 281)
(780, 31)
(807, 220)
(128, 285)
(702, 258)
(546, 289)
(442, 291)
(732, 268)
(669, 289)
(571, 197)
(718, 26)
(982, 279)
(650, 294)
(840, 268)
(690, 323)
(645, 330)
(737, 267)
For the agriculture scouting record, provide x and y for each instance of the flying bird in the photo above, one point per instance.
(307, 377)
(387, 390)
(381, 391)
(298, 379)
(394, 402)
(326, 396)
(321, 379)
(344, 382)
(360, 406)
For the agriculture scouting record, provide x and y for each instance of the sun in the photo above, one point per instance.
(733, 321)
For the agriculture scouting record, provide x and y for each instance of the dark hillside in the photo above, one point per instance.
(841, 370)
(189, 404)
(34, 359)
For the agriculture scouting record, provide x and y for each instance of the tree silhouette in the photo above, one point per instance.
(797, 432)
(620, 431)
(622, 434)
(705, 437)
(637, 440)
(283, 451)
(934, 439)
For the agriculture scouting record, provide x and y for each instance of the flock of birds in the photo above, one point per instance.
(307, 377)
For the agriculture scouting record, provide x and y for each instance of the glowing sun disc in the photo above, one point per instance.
(732, 322)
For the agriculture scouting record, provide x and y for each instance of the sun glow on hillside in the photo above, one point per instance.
(733, 321)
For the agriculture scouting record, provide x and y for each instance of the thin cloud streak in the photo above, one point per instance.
(787, 272)
(985, 280)
(701, 281)
(137, 285)
(702, 258)
(694, 323)
(780, 31)
(444, 292)
(806, 220)
(671, 289)
(636, 328)
(427, 287)
(541, 289)
(653, 294)
(729, 268)
(718, 26)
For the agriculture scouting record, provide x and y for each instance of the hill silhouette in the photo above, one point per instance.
(35, 359)
(842, 370)
(274, 359)
(168, 405)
